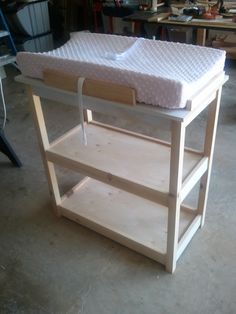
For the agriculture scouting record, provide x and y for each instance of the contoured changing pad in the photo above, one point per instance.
(163, 73)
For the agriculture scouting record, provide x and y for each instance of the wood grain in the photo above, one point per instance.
(93, 88)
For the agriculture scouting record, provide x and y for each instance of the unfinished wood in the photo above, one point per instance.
(193, 177)
(202, 24)
(189, 208)
(130, 220)
(209, 145)
(205, 103)
(159, 17)
(94, 88)
(201, 37)
(223, 24)
(88, 116)
(41, 130)
(143, 112)
(64, 136)
(142, 173)
(175, 185)
(188, 235)
(207, 95)
(145, 137)
(74, 189)
(117, 155)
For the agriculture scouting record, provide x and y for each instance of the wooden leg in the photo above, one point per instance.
(88, 115)
(44, 144)
(201, 37)
(176, 170)
(209, 144)
(136, 28)
(133, 28)
(110, 25)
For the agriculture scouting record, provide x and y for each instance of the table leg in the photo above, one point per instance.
(176, 174)
(208, 151)
(201, 37)
(41, 130)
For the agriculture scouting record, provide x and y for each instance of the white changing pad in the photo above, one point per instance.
(163, 73)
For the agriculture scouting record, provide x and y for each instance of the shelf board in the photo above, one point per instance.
(124, 160)
(123, 217)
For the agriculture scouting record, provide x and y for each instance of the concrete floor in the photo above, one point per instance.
(51, 265)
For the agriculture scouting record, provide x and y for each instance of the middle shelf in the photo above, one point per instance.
(135, 163)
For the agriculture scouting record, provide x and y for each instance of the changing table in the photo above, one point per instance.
(135, 185)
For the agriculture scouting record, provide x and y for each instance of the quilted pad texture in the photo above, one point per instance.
(163, 73)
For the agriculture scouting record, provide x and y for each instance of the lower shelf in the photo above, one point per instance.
(123, 217)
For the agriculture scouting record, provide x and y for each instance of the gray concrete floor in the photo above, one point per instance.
(51, 265)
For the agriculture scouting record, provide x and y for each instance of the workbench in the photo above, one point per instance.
(200, 25)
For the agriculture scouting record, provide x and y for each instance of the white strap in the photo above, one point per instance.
(80, 83)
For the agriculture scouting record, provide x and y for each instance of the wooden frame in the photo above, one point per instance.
(137, 199)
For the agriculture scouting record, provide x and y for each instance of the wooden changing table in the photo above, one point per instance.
(135, 185)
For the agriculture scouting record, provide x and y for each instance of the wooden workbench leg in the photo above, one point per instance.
(201, 37)
(88, 115)
(133, 28)
(176, 170)
(209, 144)
(38, 117)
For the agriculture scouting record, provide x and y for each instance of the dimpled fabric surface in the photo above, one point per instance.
(163, 73)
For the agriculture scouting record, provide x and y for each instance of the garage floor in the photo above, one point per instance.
(51, 265)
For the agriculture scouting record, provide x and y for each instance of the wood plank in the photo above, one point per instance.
(41, 130)
(209, 144)
(189, 209)
(159, 17)
(114, 180)
(145, 137)
(188, 235)
(193, 177)
(64, 136)
(143, 112)
(207, 95)
(201, 37)
(93, 88)
(119, 155)
(130, 220)
(175, 184)
(222, 24)
(100, 105)
(74, 189)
